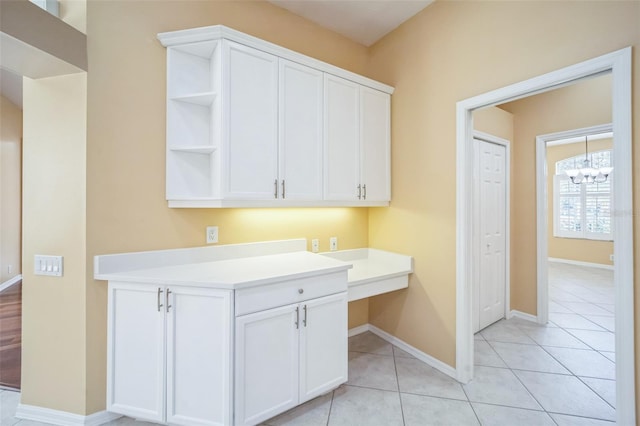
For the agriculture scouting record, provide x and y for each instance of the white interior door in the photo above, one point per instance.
(490, 231)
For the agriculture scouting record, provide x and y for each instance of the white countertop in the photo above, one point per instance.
(371, 265)
(234, 273)
(236, 266)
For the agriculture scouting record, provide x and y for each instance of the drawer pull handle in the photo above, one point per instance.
(167, 302)
(304, 321)
(300, 290)
(297, 316)
(160, 305)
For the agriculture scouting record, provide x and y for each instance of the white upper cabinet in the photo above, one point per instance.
(342, 133)
(252, 124)
(375, 145)
(357, 143)
(300, 136)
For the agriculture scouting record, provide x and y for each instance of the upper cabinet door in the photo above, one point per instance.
(250, 95)
(300, 147)
(342, 139)
(375, 138)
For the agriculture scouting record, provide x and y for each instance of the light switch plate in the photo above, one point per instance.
(315, 245)
(333, 243)
(48, 265)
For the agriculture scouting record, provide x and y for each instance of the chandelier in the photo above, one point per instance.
(588, 174)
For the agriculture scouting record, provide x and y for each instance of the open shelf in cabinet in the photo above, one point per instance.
(191, 69)
(189, 173)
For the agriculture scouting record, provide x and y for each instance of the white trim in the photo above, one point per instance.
(11, 281)
(619, 64)
(507, 144)
(358, 330)
(427, 359)
(580, 263)
(523, 315)
(63, 418)
(215, 32)
(580, 139)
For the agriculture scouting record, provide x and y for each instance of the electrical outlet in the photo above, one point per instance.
(315, 245)
(333, 243)
(212, 234)
(611, 257)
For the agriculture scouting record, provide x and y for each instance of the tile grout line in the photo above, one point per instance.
(333, 394)
(395, 368)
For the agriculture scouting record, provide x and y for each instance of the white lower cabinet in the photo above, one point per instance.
(169, 357)
(288, 355)
(172, 349)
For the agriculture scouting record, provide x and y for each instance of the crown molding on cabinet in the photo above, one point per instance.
(215, 32)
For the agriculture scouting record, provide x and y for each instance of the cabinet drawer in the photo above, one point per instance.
(255, 299)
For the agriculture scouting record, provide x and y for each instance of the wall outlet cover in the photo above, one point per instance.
(333, 243)
(212, 234)
(315, 245)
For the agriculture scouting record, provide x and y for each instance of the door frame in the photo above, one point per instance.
(542, 208)
(617, 63)
(486, 137)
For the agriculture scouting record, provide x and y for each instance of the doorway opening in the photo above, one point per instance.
(619, 65)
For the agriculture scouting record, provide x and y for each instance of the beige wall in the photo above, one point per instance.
(584, 104)
(591, 251)
(449, 52)
(126, 146)
(10, 189)
(53, 308)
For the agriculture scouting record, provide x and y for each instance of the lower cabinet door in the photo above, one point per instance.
(266, 364)
(135, 351)
(323, 345)
(198, 356)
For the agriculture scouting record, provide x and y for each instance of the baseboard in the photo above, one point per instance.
(358, 330)
(63, 418)
(523, 315)
(11, 281)
(579, 263)
(427, 359)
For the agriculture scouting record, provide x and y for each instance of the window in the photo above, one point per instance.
(584, 210)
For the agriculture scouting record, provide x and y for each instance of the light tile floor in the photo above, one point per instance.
(559, 374)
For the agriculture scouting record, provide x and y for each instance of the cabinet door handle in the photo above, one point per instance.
(275, 190)
(297, 316)
(282, 188)
(364, 190)
(167, 301)
(160, 305)
(359, 192)
(304, 321)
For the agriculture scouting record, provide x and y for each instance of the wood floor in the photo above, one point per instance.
(10, 336)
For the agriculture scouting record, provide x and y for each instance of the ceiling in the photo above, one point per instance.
(363, 21)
